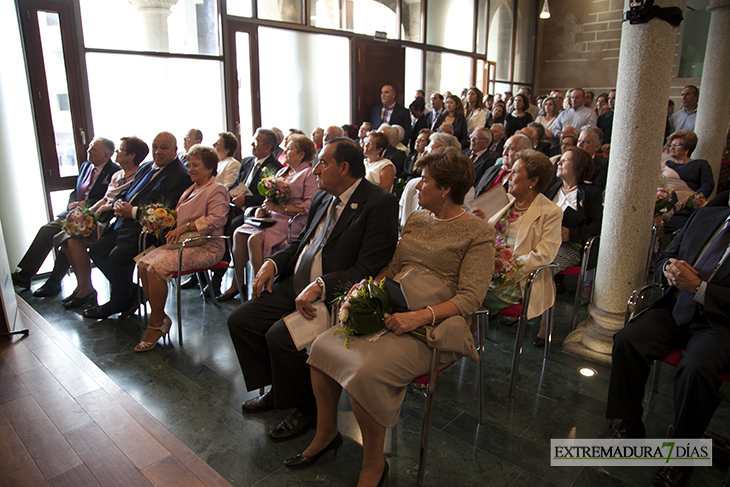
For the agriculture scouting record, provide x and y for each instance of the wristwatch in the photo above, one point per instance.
(320, 282)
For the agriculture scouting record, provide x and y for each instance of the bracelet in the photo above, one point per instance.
(433, 315)
(187, 225)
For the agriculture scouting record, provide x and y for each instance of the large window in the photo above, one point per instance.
(179, 26)
(144, 95)
(694, 38)
(524, 41)
(499, 44)
(305, 79)
(451, 24)
(359, 16)
(447, 72)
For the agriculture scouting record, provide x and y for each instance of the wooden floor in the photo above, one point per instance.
(63, 422)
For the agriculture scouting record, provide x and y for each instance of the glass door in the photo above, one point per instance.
(243, 86)
(57, 84)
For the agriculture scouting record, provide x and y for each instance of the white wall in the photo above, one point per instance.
(22, 204)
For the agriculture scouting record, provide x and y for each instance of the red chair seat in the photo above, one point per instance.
(423, 379)
(570, 271)
(675, 356)
(513, 310)
(220, 265)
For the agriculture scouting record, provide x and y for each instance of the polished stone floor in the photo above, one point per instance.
(196, 392)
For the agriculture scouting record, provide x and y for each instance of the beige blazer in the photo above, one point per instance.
(538, 241)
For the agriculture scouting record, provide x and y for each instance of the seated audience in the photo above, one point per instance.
(422, 141)
(228, 166)
(91, 185)
(577, 115)
(351, 233)
(454, 115)
(392, 153)
(192, 137)
(498, 113)
(692, 315)
(162, 180)
(686, 176)
(590, 140)
(541, 144)
(202, 208)
(519, 117)
(365, 129)
(250, 242)
(530, 227)
(498, 138)
(129, 156)
(418, 109)
(441, 241)
(479, 153)
(378, 170)
(582, 206)
(497, 175)
(446, 128)
(476, 114)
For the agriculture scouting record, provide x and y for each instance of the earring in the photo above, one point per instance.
(443, 196)
(530, 186)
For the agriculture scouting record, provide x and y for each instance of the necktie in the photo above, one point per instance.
(86, 186)
(134, 190)
(303, 275)
(473, 156)
(686, 306)
(251, 176)
(499, 178)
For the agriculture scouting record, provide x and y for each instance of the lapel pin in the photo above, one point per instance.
(353, 206)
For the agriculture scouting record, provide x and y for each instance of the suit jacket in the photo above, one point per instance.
(687, 246)
(485, 182)
(246, 166)
(360, 245)
(430, 119)
(482, 163)
(167, 187)
(400, 116)
(605, 123)
(499, 147)
(398, 158)
(537, 244)
(585, 222)
(418, 125)
(98, 189)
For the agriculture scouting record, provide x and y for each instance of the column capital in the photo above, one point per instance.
(153, 4)
(718, 4)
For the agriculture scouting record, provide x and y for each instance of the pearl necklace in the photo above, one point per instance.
(448, 219)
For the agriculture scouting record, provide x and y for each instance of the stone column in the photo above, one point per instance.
(713, 112)
(644, 75)
(154, 15)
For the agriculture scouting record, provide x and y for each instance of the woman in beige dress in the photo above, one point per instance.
(442, 241)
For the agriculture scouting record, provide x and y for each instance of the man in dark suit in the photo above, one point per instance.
(389, 111)
(692, 315)
(250, 173)
(162, 180)
(478, 151)
(437, 106)
(392, 153)
(497, 174)
(91, 186)
(351, 233)
(605, 122)
(498, 139)
(417, 109)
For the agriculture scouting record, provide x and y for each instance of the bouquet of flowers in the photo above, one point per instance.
(663, 204)
(696, 201)
(504, 263)
(157, 219)
(80, 222)
(274, 189)
(362, 309)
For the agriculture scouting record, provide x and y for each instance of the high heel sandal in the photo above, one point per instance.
(301, 461)
(164, 328)
(77, 301)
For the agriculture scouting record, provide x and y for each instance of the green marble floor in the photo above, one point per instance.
(196, 392)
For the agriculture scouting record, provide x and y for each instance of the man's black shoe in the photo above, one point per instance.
(99, 312)
(190, 283)
(22, 279)
(50, 288)
(259, 404)
(625, 429)
(673, 476)
(294, 426)
(216, 291)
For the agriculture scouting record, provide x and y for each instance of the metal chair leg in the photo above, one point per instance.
(480, 327)
(517, 351)
(548, 330)
(435, 356)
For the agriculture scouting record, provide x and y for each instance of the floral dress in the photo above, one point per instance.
(503, 295)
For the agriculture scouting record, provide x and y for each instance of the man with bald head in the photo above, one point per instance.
(389, 111)
(497, 174)
(162, 180)
(192, 137)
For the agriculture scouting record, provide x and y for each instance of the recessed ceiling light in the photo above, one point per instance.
(587, 371)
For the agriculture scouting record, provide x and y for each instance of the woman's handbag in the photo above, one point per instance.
(185, 236)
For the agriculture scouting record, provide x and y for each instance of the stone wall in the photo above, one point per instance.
(579, 45)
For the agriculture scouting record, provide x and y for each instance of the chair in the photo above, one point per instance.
(521, 311)
(430, 380)
(590, 253)
(220, 265)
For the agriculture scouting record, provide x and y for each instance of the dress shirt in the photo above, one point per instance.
(574, 118)
(254, 169)
(386, 112)
(681, 120)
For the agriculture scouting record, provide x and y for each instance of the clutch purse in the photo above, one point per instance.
(261, 222)
(185, 236)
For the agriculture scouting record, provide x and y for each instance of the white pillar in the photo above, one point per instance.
(154, 14)
(713, 112)
(644, 75)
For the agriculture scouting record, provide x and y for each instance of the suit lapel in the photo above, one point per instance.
(319, 214)
(358, 198)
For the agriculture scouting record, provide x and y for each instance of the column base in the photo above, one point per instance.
(593, 338)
